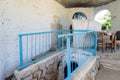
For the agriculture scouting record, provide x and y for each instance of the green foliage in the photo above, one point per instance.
(106, 21)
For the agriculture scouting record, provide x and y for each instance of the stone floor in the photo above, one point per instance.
(109, 51)
(111, 69)
(108, 74)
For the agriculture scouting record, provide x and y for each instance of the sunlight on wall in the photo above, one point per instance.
(100, 15)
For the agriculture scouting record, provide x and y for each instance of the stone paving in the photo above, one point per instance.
(108, 74)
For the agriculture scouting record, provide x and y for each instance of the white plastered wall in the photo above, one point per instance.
(88, 11)
(23, 16)
(2, 46)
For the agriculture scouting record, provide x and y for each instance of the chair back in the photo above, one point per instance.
(118, 35)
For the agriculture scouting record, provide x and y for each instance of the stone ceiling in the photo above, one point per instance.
(83, 3)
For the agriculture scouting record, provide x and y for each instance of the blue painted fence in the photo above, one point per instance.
(37, 46)
(80, 46)
(33, 46)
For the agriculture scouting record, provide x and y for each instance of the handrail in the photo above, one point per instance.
(32, 43)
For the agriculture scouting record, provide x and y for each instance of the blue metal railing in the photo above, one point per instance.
(34, 46)
(37, 46)
(78, 52)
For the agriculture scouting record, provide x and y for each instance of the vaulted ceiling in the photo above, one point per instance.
(83, 3)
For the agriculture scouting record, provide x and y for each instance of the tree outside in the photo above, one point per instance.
(104, 18)
(106, 21)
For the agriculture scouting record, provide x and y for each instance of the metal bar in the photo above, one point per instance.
(55, 31)
(45, 42)
(35, 45)
(74, 34)
(62, 43)
(68, 58)
(21, 51)
(27, 48)
(31, 46)
(80, 65)
(59, 42)
(42, 43)
(39, 45)
(39, 59)
(95, 43)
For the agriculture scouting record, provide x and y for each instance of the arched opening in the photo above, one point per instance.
(104, 18)
(79, 15)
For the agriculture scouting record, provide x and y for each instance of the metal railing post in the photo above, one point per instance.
(20, 48)
(59, 41)
(68, 58)
(95, 43)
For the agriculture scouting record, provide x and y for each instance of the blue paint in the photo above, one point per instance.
(81, 64)
(21, 50)
(39, 59)
(68, 58)
(27, 48)
(45, 39)
(95, 43)
(35, 46)
(59, 43)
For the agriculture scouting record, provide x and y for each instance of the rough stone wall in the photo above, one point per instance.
(91, 75)
(23, 16)
(89, 70)
(51, 68)
(47, 69)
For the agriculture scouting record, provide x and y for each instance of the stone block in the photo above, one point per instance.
(41, 79)
(55, 65)
(50, 69)
(22, 74)
(48, 77)
(35, 68)
(49, 62)
(37, 74)
(88, 77)
(28, 78)
(35, 79)
(44, 72)
(42, 66)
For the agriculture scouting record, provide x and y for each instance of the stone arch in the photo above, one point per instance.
(79, 15)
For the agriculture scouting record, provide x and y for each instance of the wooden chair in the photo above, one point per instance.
(104, 40)
(117, 39)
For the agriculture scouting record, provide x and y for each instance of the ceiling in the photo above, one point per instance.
(83, 3)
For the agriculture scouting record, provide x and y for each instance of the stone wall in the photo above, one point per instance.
(47, 69)
(89, 70)
(51, 68)
(91, 75)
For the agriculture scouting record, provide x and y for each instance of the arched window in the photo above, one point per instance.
(104, 18)
(79, 15)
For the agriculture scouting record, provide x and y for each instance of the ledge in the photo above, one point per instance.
(91, 65)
